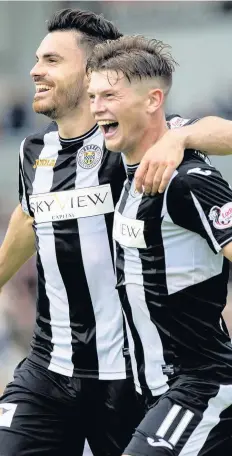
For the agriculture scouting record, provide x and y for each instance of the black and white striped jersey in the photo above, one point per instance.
(79, 326)
(70, 188)
(172, 276)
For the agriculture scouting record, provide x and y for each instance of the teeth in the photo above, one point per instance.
(106, 122)
(40, 88)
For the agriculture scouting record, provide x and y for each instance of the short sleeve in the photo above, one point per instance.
(200, 200)
(176, 121)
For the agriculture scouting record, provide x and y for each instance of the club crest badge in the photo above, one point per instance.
(89, 156)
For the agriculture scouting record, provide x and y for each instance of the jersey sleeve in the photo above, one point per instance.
(22, 187)
(176, 121)
(200, 200)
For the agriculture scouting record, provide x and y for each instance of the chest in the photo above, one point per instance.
(73, 183)
(138, 219)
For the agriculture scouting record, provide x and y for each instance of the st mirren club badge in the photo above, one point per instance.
(89, 156)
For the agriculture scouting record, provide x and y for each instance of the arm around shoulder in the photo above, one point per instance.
(212, 135)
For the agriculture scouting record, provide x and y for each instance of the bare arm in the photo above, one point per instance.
(18, 245)
(213, 135)
(227, 251)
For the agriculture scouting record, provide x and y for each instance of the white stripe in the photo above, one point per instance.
(197, 261)
(101, 280)
(181, 427)
(61, 356)
(164, 207)
(24, 200)
(205, 223)
(21, 153)
(168, 420)
(210, 419)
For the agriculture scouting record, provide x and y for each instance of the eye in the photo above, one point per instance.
(91, 96)
(108, 95)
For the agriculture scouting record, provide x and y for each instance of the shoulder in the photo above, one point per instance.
(37, 139)
(196, 163)
(196, 171)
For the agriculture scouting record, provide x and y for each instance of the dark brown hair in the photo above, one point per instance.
(136, 57)
(93, 28)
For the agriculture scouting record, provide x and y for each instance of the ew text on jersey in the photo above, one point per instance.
(128, 232)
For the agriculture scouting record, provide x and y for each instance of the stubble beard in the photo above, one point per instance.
(60, 106)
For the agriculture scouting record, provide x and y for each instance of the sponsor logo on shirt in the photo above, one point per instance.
(128, 232)
(44, 162)
(89, 156)
(72, 204)
(221, 216)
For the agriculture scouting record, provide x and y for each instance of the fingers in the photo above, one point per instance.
(140, 175)
(153, 178)
(165, 178)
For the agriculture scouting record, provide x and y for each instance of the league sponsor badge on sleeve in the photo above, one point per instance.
(221, 216)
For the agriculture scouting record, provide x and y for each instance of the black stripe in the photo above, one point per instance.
(70, 263)
(112, 165)
(175, 423)
(64, 142)
(153, 257)
(124, 198)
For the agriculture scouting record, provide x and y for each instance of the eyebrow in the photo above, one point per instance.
(50, 54)
(102, 91)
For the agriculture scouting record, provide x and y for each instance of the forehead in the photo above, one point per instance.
(107, 80)
(61, 42)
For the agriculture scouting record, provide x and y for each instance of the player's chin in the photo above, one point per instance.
(113, 146)
(41, 108)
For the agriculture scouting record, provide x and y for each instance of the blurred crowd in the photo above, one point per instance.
(17, 299)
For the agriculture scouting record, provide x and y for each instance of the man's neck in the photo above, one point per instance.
(76, 123)
(151, 136)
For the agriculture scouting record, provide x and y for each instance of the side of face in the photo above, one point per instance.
(120, 108)
(59, 74)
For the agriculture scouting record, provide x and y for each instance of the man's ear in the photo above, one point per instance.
(155, 99)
